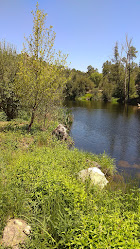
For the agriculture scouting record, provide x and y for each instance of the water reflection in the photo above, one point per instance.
(113, 128)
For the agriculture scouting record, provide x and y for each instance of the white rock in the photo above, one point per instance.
(96, 176)
(96, 170)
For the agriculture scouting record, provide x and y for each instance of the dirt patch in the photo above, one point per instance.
(26, 142)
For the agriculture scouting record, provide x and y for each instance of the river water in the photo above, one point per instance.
(100, 127)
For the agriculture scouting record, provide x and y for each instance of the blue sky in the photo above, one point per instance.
(87, 30)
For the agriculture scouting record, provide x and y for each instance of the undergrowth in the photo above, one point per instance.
(38, 182)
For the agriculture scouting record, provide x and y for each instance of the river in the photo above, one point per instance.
(100, 127)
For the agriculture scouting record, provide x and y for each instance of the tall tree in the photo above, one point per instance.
(118, 74)
(107, 83)
(116, 58)
(130, 54)
(40, 77)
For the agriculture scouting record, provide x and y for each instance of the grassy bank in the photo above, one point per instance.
(38, 183)
(97, 96)
(94, 95)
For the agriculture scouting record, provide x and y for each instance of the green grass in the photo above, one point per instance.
(38, 182)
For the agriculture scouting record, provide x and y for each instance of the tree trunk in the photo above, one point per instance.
(125, 83)
(128, 83)
(33, 114)
(32, 120)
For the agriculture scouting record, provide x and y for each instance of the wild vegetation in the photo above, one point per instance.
(38, 183)
(38, 173)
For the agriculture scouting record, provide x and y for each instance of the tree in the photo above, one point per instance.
(116, 54)
(8, 70)
(91, 70)
(41, 70)
(118, 74)
(96, 78)
(130, 52)
(137, 81)
(78, 84)
(107, 83)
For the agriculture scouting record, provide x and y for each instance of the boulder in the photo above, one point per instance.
(60, 132)
(96, 176)
(15, 233)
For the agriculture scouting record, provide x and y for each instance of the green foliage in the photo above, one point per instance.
(138, 83)
(8, 69)
(78, 85)
(95, 95)
(3, 116)
(91, 70)
(119, 77)
(40, 80)
(106, 84)
(39, 174)
(96, 78)
(24, 115)
(114, 100)
(38, 182)
(87, 96)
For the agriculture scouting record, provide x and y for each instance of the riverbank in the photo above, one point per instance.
(39, 184)
(97, 96)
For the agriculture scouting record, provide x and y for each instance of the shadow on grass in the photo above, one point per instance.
(16, 126)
